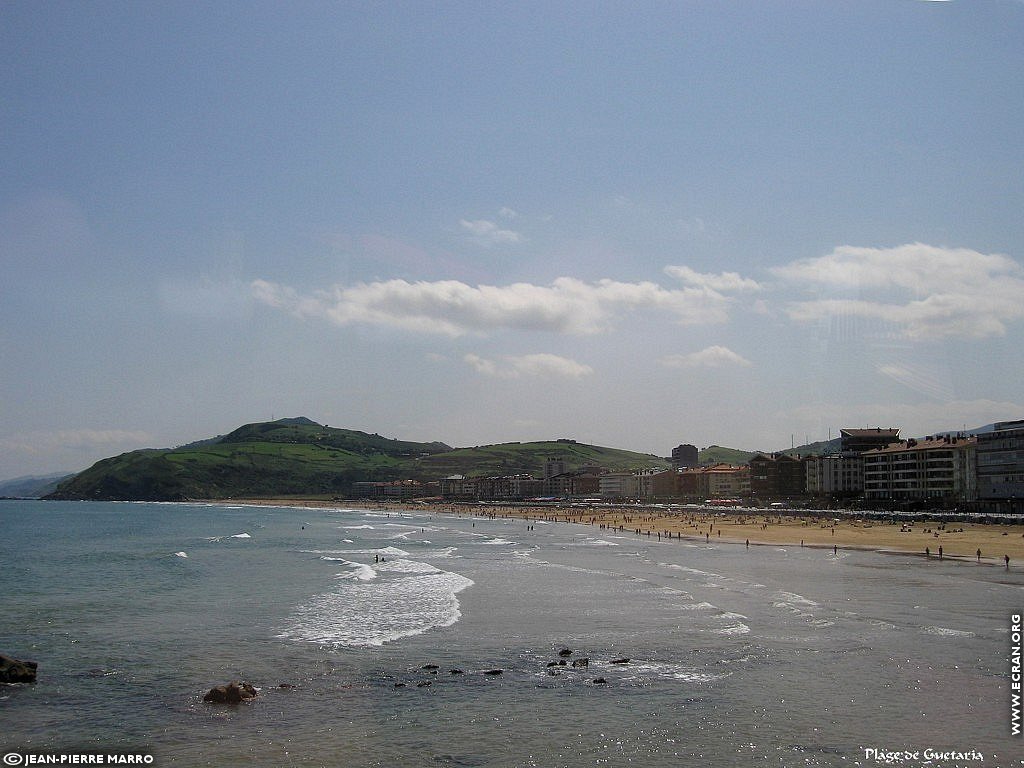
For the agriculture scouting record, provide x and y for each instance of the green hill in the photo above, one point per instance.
(529, 458)
(301, 457)
(716, 454)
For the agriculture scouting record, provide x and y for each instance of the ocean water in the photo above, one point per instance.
(783, 656)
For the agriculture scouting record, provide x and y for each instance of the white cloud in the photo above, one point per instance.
(454, 308)
(487, 233)
(508, 213)
(711, 357)
(538, 365)
(929, 292)
(726, 281)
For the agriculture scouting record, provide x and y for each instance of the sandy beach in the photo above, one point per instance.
(957, 541)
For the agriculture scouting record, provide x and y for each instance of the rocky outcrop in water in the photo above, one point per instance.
(232, 693)
(17, 671)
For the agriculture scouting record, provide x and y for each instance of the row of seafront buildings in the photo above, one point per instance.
(874, 468)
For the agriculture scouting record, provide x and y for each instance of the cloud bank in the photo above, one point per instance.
(454, 308)
(538, 365)
(927, 291)
(487, 233)
(711, 357)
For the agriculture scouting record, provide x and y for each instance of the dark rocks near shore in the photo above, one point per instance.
(16, 670)
(619, 661)
(232, 693)
(583, 662)
(565, 652)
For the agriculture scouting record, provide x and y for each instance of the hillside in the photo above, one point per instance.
(31, 487)
(299, 456)
(716, 454)
(529, 458)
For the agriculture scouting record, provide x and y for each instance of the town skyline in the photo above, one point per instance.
(722, 224)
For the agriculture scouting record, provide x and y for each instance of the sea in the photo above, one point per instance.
(392, 639)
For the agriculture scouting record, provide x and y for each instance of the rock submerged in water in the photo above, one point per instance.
(619, 661)
(232, 693)
(16, 670)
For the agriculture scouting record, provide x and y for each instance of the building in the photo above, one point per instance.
(836, 475)
(458, 488)
(934, 471)
(860, 440)
(391, 490)
(684, 456)
(1000, 462)
(618, 485)
(659, 485)
(554, 467)
(573, 484)
(777, 476)
(718, 481)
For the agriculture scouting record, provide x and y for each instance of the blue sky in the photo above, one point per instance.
(637, 225)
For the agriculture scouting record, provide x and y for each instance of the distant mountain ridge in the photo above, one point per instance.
(31, 486)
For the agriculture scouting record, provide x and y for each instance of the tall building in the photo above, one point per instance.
(835, 475)
(777, 476)
(1000, 455)
(684, 456)
(554, 467)
(937, 471)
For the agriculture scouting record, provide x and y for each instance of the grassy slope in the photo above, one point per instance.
(285, 458)
(529, 458)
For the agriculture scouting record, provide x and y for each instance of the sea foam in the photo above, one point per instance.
(409, 602)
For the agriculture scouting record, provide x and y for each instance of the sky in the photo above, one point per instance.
(636, 225)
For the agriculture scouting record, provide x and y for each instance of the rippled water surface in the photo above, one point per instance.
(780, 655)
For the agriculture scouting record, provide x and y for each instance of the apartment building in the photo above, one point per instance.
(776, 476)
(659, 485)
(618, 485)
(937, 470)
(1000, 462)
(718, 481)
(835, 475)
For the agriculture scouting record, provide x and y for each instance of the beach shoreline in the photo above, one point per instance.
(928, 539)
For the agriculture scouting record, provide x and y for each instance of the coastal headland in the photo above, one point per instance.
(958, 541)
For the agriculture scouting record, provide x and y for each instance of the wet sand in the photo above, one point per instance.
(958, 541)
